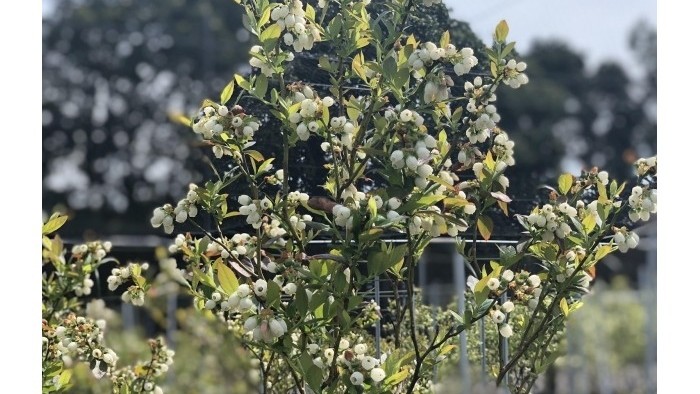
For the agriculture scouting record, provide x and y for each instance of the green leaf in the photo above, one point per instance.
(260, 86)
(402, 76)
(55, 222)
(319, 268)
(381, 260)
(501, 31)
(301, 300)
(565, 182)
(389, 67)
(485, 227)
(416, 202)
(541, 367)
(550, 251)
(203, 278)
(273, 293)
(325, 64)
(313, 375)
(227, 93)
(458, 318)
(489, 162)
(508, 49)
(227, 279)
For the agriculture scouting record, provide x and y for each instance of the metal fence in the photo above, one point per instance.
(442, 279)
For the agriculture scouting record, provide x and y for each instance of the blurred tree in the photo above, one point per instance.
(604, 118)
(113, 70)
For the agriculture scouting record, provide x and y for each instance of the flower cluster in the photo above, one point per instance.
(642, 203)
(483, 115)
(91, 252)
(98, 249)
(77, 337)
(308, 119)
(254, 209)
(145, 373)
(342, 216)
(645, 165)
(423, 57)
(264, 326)
(216, 119)
(625, 239)
(514, 75)
(136, 293)
(550, 221)
(166, 215)
(291, 17)
(499, 315)
(360, 365)
(242, 300)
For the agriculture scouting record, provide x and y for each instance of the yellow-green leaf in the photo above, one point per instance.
(372, 207)
(242, 82)
(265, 17)
(602, 251)
(494, 70)
(481, 291)
(180, 119)
(257, 156)
(504, 207)
(227, 279)
(565, 182)
(397, 377)
(564, 307)
(445, 39)
(226, 93)
(489, 162)
(501, 31)
(326, 116)
(602, 193)
(64, 378)
(446, 349)
(358, 67)
(411, 40)
(270, 35)
(55, 222)
(589, 223)
(485, 227)
(310, 12)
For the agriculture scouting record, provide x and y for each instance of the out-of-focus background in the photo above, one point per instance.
(115, 71)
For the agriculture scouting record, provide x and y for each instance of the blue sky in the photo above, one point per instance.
(598, 29)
